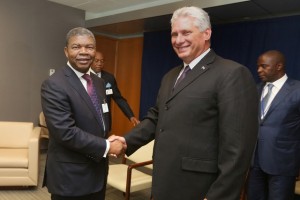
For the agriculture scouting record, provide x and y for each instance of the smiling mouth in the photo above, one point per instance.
(83, 61)
(182, 49)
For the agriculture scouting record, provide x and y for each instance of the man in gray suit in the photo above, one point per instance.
(77, 118)
(205, 125)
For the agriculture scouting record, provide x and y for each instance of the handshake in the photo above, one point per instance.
(118, 145)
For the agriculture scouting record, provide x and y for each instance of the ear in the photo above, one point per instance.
(279, 66)
(66, 52)
(207, 34)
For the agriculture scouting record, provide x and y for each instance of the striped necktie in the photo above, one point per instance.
(265, 99)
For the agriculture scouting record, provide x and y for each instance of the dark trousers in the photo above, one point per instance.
(263, 186)
(95, 196)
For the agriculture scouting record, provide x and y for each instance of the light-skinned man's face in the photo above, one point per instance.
(80, 52)
(98, 63)
(187, 40)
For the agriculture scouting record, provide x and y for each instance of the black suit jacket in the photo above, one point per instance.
(111, 83)
(205, 131)
(75, 164)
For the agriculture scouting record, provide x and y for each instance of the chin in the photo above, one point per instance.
(84, 67)
(182, 56)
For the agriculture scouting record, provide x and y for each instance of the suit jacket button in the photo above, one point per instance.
(161, 130)
(166, 107)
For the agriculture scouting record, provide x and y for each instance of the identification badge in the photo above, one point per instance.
(109, 91)
(105, 108)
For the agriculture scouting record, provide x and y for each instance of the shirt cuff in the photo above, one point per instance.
(107, 148)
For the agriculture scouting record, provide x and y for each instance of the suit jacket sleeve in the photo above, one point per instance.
(143, 133)
(238, 127)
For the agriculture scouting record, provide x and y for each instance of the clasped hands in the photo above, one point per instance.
(118, 145)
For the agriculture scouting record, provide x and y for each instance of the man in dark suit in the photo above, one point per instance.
(205, 125)
(77, 164)
(276, 160)
(112, 90)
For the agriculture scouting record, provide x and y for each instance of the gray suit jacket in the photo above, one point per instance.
(75, 164)
(205, 131)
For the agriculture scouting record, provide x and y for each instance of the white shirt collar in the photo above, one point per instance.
(278, 83)
(277, 86)
(196, 60)
(99, 74)
(78, 73)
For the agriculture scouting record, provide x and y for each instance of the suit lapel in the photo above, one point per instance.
(173, 77)
(196, 72)
(281, 95)
(77, 85)
(260, 89)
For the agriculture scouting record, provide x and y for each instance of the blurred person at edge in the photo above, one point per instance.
(276, 160)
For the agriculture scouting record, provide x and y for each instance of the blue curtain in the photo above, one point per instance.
(242, 42)
(158, 58)
(245, 41)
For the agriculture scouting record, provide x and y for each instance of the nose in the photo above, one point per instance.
(259, 69)
(83, 50)
(179, 39)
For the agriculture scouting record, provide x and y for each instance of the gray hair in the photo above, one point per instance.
(79, 31)
(201, 17)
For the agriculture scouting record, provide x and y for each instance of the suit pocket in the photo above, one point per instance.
(67, 156)
(199, 165)
(287, 143)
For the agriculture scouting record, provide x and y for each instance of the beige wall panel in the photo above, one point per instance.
(108, 47)
(123, 58)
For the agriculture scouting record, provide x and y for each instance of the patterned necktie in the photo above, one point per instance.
(183, 75)
(265, 99)
(92, 93)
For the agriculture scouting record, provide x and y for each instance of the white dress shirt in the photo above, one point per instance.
(277, 85)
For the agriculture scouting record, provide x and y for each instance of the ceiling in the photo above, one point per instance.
(128, 18)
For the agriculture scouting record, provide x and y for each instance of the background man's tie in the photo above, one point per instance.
(265, 99)
(92, 93)
(182, 76)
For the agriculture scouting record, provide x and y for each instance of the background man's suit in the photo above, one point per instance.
(111, 83)
(190, 124)
(276, 159)
(279, 132)
(77, 140)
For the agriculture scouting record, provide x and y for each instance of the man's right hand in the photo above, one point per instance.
(117, 145)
